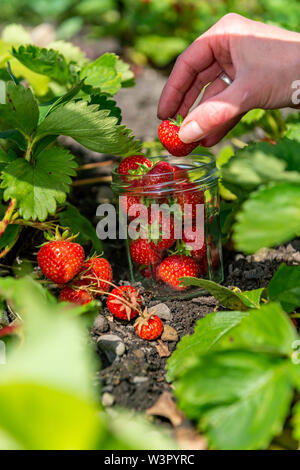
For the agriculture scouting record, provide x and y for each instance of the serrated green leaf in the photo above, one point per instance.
(15, 34)
(127, 76)
(240, 399)
(45, 110)
(105, 103)
(21, 109)
(250, 169)
(37, 188)
(284, 287)
(227, 297)
(265, 330)
(103, 74)
(269, 217)
(70, 52)
(15, 136)
(44, 61)
(208, 333)
(91, 127)
(6, 158)
(72, 218)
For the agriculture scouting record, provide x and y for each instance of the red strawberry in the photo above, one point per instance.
(168, 135)
(180, 173)
(60, 260)
(134, 165)
(197, 246)
(143, 253)
(94, 273)
(74, 296)
(123, 302)
(148, 274)
(175, 266)
(161, 173)
(161, 227)
(188, 193)
(149, 327)
(127, 201)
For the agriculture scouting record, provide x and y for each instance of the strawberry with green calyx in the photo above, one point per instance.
(148, 326)
(160, 174)
(143, 253)
(124, 302)
(174, 267)
(168, 135)
(60, 259)
(95, 273)
(134, 165)
(158, 229)
(75, 296)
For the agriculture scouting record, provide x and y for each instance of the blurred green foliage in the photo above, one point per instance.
(142, 24)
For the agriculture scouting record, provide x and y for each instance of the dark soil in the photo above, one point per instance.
(136, 379)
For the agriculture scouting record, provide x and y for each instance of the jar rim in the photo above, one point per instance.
(201, 171)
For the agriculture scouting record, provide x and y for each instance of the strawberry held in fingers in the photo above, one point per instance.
(60, 260)
(123, 302)
(75, 296)
(168, 135)
(174, 267)
(94, 273)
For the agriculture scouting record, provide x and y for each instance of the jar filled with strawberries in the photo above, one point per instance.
(169, 216)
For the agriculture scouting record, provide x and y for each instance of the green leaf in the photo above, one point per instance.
(38, 187)
(296, 421)
(252, 167)
(240, 398)
(72, 218)
(105, 103)
(269, 217)
(284, 287)
(6, 158)
(227, 297)
(265, 330)
(70, 52)
(16, 137)
(21, 109)
(10, 236)
(103, 73)
(127, 76)
(91, 127)
(208, 333)
(44, 61)
(45, 110)
(160, 49)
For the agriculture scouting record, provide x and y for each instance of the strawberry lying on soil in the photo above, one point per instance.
(123, 302)
(149, 327)
(174, 267)
(94, 273)
(60, 260)
(168, 135)
(74, 296)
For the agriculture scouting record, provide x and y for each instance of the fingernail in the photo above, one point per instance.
(190, 132)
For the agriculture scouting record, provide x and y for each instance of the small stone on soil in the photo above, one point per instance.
(100, 324)
(169, 334)
(111, 345)
(162, 311)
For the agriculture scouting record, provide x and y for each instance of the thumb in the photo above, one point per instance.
(215, 112)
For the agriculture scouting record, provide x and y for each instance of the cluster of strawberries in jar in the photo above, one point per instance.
(165, 257)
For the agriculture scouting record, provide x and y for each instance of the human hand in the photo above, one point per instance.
(262, 61)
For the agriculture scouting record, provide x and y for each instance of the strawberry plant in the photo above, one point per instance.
(37, 172)
(238, 374)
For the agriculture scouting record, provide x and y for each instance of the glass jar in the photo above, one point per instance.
(169, 216)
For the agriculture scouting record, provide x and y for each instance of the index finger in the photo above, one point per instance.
(196, 58)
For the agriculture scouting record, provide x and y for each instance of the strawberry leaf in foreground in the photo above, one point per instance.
(285, 287)
(39, 187)
(91, 127)
(240, 385)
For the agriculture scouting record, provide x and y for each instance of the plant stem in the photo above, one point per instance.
(99, 179)
(91, 166)
(7, 216)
